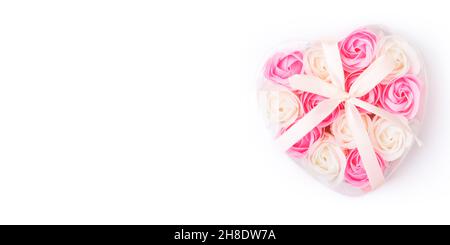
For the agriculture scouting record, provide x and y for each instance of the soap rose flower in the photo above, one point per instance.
(315, 63)
(390, 140)
(358, 50)
(372, 97)
(341, 131)
(283, 65)
(402, 96)
(355, 174)
(309, 100)
(405, 57)
(327, 158)
(300, 149)
(281, 106)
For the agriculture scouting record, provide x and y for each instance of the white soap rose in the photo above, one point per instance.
(281, 106)
(314, 62)
(406, 58)
(327, 158)
(390, 140)
(342, 133)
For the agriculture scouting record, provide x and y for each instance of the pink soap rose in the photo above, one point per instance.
(358, 50)
(355, 174)
(300, 149)
(372, 97)
(282, 66)
(402, 96)
(309, 100)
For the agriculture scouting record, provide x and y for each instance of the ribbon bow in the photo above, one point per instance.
(336, 94)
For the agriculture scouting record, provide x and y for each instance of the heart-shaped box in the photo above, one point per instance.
(347, 111)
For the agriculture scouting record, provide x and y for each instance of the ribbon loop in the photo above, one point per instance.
(372, 76)
(312, 84)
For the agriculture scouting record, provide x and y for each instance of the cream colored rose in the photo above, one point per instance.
(406, 58)
(390, 140)
(281, 106)
(314, 62)
(342, 132)
(326, 158)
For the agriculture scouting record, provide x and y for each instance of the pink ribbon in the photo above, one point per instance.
(336, 94)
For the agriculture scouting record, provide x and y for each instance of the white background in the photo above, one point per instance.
(144, 112)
